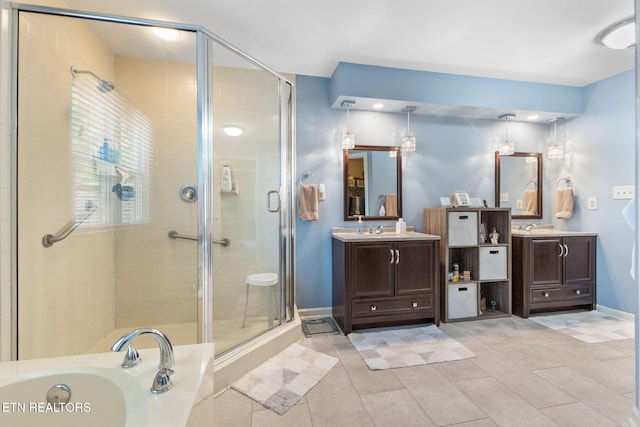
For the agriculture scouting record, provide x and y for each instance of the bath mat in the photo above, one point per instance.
(282, 380)
(589, 326)
(407, 346)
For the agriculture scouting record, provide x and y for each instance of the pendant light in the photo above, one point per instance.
(555, 150)
(348, 139)
(408, 142)
(506, 148)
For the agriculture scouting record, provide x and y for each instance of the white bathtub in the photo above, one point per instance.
(102, 393)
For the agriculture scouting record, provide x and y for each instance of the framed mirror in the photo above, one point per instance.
(519, 184)
(372, 182)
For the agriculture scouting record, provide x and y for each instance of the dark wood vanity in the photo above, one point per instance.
(553, 271)
(384, 280)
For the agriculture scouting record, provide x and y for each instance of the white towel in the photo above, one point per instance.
(530, 202)
(564, 203)
(308, 202)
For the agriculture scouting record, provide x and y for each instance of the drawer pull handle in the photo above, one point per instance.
(373, 307)
(462, 289)
(414, 304)
(577, 291)
(464, 216)
(494, 252)
(546, 294)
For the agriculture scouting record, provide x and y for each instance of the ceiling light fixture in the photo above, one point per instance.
(555, 150)
(169, 34)
(348, 139)
(408, 142)
(621, 35)
(506, 148)
(378, 106)
(233, 130)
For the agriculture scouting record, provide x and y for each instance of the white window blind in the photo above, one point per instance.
(99, 118)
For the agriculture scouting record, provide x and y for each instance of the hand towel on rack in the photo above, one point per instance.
(530, 202)
(308, 202)
(391, 206)
(564, 203)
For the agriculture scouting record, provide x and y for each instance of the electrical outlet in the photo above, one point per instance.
(504, 197)
(592, 203)
(518, 204)
(621, 192)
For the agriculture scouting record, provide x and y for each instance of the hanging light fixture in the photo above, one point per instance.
(555, 150)
(621, 35)
(348, 139)
(506, 148)
(408, 142)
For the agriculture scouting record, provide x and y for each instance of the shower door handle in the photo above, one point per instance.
(277, 208)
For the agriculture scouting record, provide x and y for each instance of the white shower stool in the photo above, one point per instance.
(268, 280)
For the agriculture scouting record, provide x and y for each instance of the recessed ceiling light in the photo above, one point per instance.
(621, 35)
(378, 105)
(169, 34)
(533, 117)
(233, 130)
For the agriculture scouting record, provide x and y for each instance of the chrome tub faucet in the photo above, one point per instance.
(162, 380)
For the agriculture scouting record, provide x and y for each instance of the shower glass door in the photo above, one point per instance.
(246, 168)
(107, 137)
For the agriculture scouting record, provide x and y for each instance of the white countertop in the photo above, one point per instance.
(550, 232)
(389, 234)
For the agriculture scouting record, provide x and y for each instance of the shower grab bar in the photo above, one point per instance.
(173, 234)
(49, 239)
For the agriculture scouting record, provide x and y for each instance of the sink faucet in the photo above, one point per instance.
(376, 230)
(162, 380)
(526, 227)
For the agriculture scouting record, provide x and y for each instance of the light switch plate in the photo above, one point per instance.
(592, 203)
(504, 197)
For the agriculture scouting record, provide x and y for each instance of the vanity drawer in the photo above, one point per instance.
(493, 263)
(397, 305)
(571, 294)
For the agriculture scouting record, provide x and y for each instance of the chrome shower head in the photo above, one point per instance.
(104, 86)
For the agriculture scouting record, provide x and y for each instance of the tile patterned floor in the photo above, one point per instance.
(524, 375)
(588, 326)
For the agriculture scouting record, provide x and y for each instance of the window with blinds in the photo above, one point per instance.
(111, 148)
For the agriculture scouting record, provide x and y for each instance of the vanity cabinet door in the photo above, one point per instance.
(415, 268)
(372, 269)
(579, 260)
(546, 262)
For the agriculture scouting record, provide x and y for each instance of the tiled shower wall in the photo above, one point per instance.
(70, 286)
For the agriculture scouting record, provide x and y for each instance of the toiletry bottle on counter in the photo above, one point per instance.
(360, 228)
(401, 226)
(226, 178)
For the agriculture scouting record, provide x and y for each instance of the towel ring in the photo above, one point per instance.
(306, 175)
(566, 179)
(535, 185)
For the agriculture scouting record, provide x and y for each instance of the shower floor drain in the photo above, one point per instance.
(323, 325)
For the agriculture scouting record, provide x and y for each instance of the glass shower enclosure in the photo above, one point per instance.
(152, 185)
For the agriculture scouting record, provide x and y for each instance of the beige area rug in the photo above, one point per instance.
(400, 347)
(589, 326)
(281, 381)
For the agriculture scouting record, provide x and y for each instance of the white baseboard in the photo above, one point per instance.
(614, 312)
(314, 313)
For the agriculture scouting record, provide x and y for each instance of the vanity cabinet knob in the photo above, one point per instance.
(373, 307)
(577, 291)
(414, 304)
(546, 294)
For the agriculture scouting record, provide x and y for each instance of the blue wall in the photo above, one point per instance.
(456, 154)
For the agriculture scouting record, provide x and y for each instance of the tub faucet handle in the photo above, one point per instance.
(131, 357)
